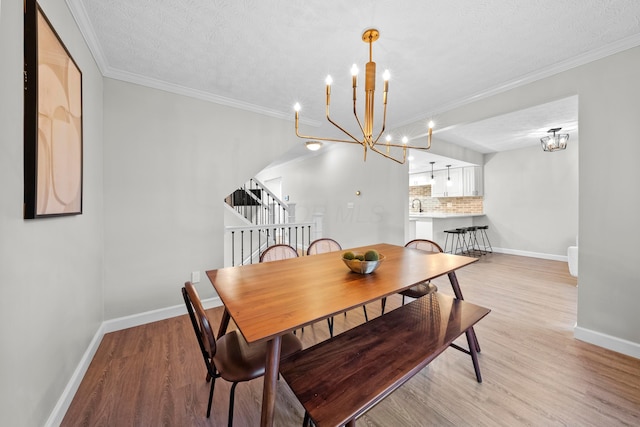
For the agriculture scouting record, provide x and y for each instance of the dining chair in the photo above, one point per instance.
(424, 288)
(278, 252)
(324, 245)
(229, 357)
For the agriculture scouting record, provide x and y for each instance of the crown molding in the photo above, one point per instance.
(81, 17)
(567, 64)
(199, 94)
(84, 23)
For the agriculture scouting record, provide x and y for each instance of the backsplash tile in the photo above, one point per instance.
(443, 204)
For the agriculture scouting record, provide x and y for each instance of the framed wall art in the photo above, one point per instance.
(52, 121)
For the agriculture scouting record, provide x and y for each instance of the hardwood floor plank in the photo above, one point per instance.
(535, 373)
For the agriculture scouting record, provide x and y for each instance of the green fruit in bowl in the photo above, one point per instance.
(360, 257)
(348, 255)
(371, 255)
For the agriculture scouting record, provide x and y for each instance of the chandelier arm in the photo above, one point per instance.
(327, 139)
(414, 147)
(355, 140)
(388, 156)
(355, 113)
(334, 123)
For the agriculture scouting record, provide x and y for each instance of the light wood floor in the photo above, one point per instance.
(535, 373)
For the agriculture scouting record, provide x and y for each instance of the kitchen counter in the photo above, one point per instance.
(414, 216)
(431, 225)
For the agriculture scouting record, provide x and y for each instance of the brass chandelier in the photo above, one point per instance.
(367, 140)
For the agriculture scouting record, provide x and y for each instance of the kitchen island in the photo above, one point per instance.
(431, 225)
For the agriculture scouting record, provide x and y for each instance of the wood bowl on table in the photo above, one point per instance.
(363, 267)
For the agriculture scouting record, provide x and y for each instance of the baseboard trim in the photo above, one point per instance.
(609, 342)
(56, 416)
(551, 257)
(59, 411)
(154, 316)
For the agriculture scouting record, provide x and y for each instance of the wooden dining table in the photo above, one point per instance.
(268, 300)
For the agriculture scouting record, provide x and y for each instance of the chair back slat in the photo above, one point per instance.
(424, 245)
(320, 246)
(278, 252)
(200, 323)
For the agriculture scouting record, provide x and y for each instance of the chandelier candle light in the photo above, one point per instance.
(367, 139)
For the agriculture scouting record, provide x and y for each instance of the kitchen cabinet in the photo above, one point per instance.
(440, 187)
(416, 179)
(432, 226)
(424, 229)
(472, 181)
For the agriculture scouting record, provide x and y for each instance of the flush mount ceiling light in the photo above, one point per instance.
(313, 145)
(554, 142)
(388, 148)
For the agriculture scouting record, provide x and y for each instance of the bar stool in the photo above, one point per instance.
(485, 238)
(457, 239)
(473, 244)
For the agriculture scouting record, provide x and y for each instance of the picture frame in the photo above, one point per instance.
(53, 137)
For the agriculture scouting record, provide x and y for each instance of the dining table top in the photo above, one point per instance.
(269, 299)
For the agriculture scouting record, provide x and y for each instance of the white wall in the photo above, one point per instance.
(609, 202)
(50, 269)
(170, 162)
(609, 281)
(531, 200)
(327, 184)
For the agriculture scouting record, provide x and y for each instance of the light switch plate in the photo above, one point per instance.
(195, 276)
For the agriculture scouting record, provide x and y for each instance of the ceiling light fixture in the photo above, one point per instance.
(433, 180)
(367, 140)
(554, 142)
(313, 145)
(449, 183)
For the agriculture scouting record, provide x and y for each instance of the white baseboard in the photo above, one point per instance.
(153, 316)
(56, 416)
(531, 254)
(609, 342)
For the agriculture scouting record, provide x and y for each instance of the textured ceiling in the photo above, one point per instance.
(266, 55)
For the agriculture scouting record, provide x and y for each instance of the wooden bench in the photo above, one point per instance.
(340, 379)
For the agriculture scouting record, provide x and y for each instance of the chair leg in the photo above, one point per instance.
(330, 324)
(384, 303)
(231, 399)
(213, 383)
(305, 422)
(402, 299)
(364, 308)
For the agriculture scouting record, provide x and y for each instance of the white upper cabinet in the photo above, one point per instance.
(465, 181)
(472, 181)
(420, 179)
(447, 185)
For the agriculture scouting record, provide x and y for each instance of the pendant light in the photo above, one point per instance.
(433, 180)
(449, 183)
